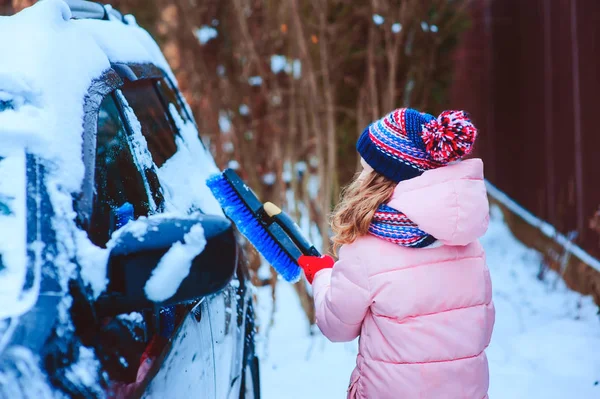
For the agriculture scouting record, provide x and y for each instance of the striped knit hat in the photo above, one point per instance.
(406, 143)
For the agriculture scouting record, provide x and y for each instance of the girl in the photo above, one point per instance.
(411, 278)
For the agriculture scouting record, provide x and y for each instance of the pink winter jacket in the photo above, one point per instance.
(424, 316)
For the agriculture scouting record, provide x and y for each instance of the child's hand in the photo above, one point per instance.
(313, 264)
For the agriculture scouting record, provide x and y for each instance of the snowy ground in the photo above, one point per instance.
(545, 342)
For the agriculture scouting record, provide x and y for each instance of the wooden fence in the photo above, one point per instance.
(529, 74)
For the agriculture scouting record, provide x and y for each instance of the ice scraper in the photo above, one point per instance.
(270, 230)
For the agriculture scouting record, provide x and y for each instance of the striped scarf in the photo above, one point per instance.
(394, 226)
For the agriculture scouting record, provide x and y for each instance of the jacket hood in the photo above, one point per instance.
(450, 203)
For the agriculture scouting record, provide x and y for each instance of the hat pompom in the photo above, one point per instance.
(450, 137)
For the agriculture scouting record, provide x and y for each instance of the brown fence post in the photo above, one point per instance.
(577, 119)
(549, 126)
(490, 156)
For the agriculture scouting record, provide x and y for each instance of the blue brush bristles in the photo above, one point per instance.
(248, 224)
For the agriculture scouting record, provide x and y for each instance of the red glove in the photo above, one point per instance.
(313, 264)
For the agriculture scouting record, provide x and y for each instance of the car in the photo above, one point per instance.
(120, 276)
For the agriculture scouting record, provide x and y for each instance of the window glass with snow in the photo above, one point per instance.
(120, 193)
(172, 99)
(156, 123)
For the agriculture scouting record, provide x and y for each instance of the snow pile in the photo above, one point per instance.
(541, 347)
(175, 266)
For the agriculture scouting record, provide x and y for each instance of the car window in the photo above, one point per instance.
(157, 127)
(170, 96)
(120, 194)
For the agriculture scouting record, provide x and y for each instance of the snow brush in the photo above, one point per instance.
(271, 231)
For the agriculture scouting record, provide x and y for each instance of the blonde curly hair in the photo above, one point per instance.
(359, 200)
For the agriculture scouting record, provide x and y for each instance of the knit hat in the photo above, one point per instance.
(406, 142)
